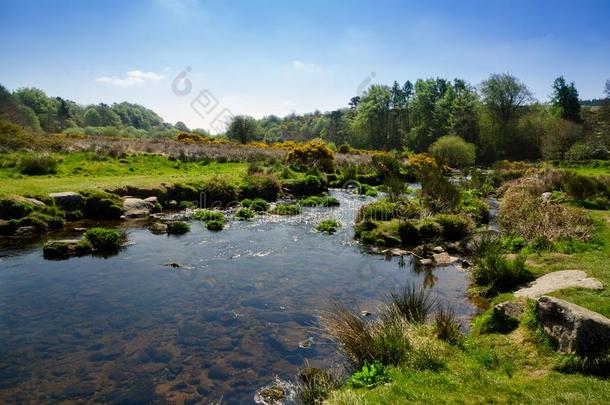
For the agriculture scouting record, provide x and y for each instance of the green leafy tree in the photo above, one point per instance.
(565, 100)
(243, 129)
(505, 96)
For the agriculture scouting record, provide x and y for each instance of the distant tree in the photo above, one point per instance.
(565, 100)
(372, 121)
(92, 118)
(181, 126)
(505, 96)
(243, 129)
(353, 102)
(12, 110)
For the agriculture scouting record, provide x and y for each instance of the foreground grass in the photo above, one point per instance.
(489, 369)
(594, 261)
(84, 171)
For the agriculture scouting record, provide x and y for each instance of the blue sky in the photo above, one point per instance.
(275, 57)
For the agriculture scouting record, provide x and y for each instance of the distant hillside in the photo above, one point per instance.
(33, 109)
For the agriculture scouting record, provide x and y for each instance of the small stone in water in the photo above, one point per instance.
(306, 344)
(365, 313)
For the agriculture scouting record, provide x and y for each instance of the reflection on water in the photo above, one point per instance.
(130, 329)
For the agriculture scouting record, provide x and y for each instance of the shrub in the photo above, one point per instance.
(258, 204)
(494, 272)
(583, 151)
(178, 227)
(344, 148)
(385, 210)
(13, 136)
(102, 205)
(214, 225)
(412, 303)
(455, 227)
(523, 212)
(286, 209)
(513, 243)
(453, 151)
(105, 240)
(369, 376)
(209, 215)
(308, 185)
(313, 153)
(316, 201)
(438, 193)
(476, 207)
(328, 226)
(244, 214)
(408, 233)
(38, 165)
(260, 185)
(585, 187)
(430, 230)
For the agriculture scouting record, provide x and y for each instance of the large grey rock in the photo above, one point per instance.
(558, 280)
(575, 329)
(443, 259)
(136, 207)
(68, 200)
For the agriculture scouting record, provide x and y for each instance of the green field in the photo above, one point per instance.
(85, 170)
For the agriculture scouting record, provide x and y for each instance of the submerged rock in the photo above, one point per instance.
(575, 329)
(136, 207)
(444, 259)
(426, 262)
(61, 249)
(158, 228)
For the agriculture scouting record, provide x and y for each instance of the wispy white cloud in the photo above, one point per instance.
(131, 78)
(287, 103)
(305, 67)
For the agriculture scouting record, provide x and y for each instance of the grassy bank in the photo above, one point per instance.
(87, 170)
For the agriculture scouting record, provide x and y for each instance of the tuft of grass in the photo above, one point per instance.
(106, 240)
(314, 385)
(317, 201)
(209, 215)
(214, 225)
(328, 226)
(446, 325)
(286, 209)
(244, 214)
(178, 227)
(598, 365)
(38, 164)
(257, 204)
(413, 303)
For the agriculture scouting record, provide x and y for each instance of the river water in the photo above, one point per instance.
(129, 329)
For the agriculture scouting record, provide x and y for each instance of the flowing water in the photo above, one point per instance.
(129, 329)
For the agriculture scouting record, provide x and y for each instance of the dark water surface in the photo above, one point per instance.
(128, 329)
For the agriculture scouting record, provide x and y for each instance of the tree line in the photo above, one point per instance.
(500, 118)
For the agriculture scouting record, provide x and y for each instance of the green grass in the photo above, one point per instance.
(593, 261)
(86, 171)
(489, 369)
(587, 168)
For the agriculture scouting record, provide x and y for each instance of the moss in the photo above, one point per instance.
(214, 225)
(15, 207)
(178, 227)
(62, 249)
(102, 205)
(328, 226)
(381, 233)
(286, 209)
(244, 214)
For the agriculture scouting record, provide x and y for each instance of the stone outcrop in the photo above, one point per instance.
(136, 207)
(575, 329)
(558, 280)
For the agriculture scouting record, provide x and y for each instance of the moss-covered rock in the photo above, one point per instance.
(102, 205)
(286, 209)
(178, 227)
(62, 249)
